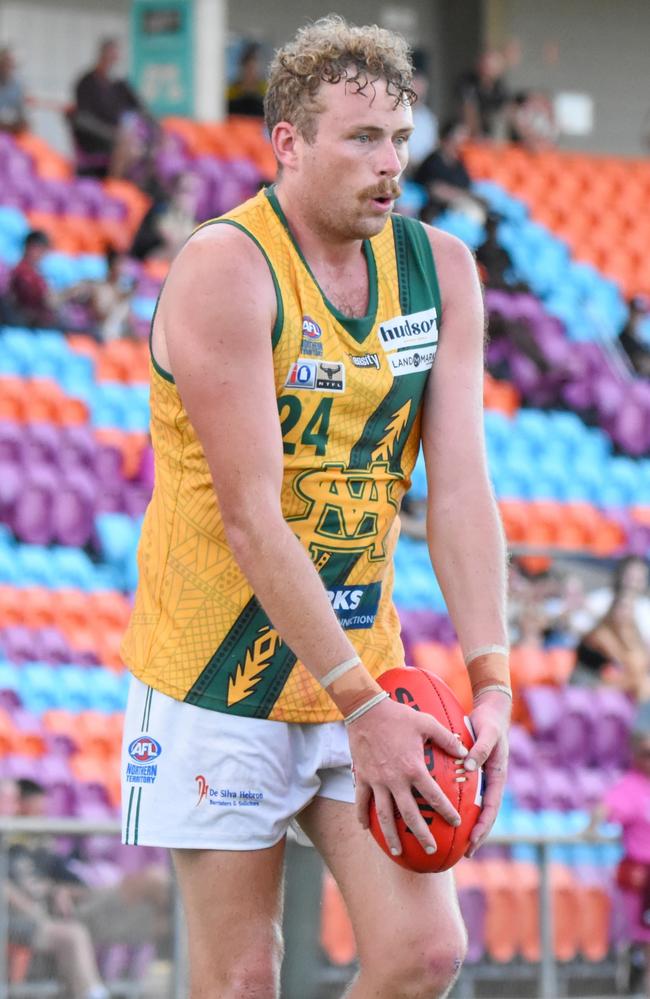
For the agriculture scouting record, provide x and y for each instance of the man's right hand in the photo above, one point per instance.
(387, 747)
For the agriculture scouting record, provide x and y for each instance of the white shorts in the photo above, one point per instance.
(201, 779)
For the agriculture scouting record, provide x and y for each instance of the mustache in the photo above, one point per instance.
(389, 190)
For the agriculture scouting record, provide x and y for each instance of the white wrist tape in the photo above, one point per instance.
(486, 650)
(338, 671)
(381, 696)
(501, 687)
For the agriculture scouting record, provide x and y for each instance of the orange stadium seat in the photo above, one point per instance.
(50, 165)
(447, 663)
(593, 921)
(336, 934)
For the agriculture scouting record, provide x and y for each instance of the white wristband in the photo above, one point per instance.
(501, 687)
(381, 696)
(338, 671)
(486, 650)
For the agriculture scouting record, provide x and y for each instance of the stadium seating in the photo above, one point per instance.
(76, 473)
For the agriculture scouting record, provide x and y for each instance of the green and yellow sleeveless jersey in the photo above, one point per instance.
(349, 397)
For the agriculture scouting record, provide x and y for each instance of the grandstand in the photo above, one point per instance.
(569, 453)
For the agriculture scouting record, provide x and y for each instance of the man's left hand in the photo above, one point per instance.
(491, 719)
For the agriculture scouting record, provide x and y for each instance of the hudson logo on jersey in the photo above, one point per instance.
(320, 376)
(410, 342)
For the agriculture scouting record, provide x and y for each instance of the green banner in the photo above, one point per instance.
(162, 55)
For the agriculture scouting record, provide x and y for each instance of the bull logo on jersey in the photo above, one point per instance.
(347, 509)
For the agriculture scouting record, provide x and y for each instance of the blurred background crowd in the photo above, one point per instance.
(87, 231)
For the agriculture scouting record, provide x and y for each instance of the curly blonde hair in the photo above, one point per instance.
(327, 51)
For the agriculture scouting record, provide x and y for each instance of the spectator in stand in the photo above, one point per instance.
(614, 651)
(169, 223)
(134, 911)
(424, 138)
(494, 259)
(107, 119)
(29, 301)
(65, 941)
(446, 179)
(483, 96)
(110, 301)
(531, 120)
(635, 345)
(628, 804)
(630, 575)
(12, 97)
(246, 94)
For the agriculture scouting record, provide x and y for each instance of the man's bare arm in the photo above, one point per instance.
(464, 529)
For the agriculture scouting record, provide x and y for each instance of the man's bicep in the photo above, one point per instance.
(218, 315)
(452, 429)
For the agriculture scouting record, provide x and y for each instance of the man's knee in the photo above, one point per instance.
(254, 974)
(425, 968)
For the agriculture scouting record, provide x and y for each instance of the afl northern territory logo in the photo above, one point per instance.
(145, 749)
(311, 329)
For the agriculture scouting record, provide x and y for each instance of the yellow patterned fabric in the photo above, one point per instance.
(349, 397)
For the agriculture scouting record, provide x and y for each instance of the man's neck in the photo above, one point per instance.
(332, 251)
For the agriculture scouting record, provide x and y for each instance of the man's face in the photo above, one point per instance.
(347, 178)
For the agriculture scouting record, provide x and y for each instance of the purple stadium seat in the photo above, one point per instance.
(574, 733)
(32, 514)
(77, 446)
(72, 520)
(559, 789)
(19, 644)
(40, 444)
(53, 648)
(473, 906)
(614, 713)
(11, 438)
(523, 752)
(527, 788)
(544, 706)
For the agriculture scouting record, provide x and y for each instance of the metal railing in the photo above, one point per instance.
(305, 973)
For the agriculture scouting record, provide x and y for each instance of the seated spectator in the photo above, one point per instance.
(631, 338)
(246, 94)
(135, 911)
(531, 120)
(493, 258)
(29, 300)
(631, 574)
(110, 301)
(424, 138)
(483, 96)
(444, 174)
(107, 118)
(627, 803)
(12, 98)
(30, 925)
(169, 223)
(614, 651)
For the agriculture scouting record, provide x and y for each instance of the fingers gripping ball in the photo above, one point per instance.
(423, 691)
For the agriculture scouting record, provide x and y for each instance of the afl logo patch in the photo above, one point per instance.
(144, 749)
(311, 329)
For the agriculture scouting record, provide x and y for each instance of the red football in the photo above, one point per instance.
(423, 691)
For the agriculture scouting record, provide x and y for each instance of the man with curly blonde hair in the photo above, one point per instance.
(293, 382)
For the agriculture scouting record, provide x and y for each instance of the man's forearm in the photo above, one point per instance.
(287, 584)
(468, 553)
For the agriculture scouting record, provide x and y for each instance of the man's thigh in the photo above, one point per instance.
(386, 903)
(233, 905)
